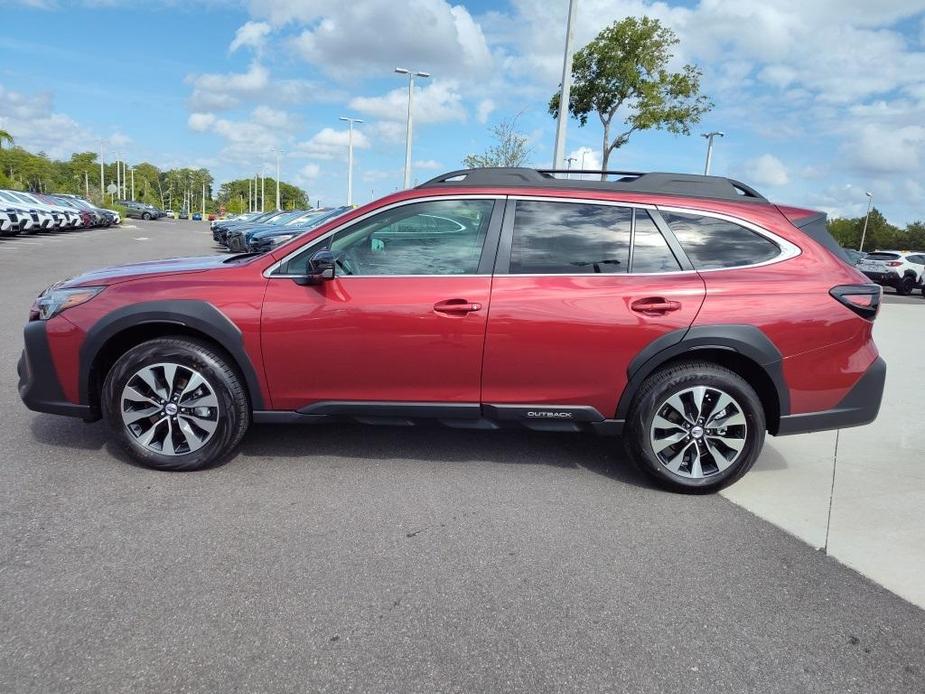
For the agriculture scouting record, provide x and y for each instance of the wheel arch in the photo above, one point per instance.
(743, 349)
(129, 326)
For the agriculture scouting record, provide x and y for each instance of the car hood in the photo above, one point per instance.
(122, 273)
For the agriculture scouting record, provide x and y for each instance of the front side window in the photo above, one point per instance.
(566, 238)
(437, 237)
(713, 243)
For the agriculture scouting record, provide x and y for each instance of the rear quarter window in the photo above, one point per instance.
(713, 243)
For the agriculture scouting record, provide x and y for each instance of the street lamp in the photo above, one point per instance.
(411, 75)
(710, 136)
(278, 152)
(565, 90)
(102, 178)
(350, 122)
(569, 170)
(870, 200)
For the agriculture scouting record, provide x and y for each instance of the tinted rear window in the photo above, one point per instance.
(882, 256)
(713, 243)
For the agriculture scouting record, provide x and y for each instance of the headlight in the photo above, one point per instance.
(53, 301)
(278, 240)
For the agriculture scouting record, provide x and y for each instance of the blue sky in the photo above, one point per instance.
(819, 100)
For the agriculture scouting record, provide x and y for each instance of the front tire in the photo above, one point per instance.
(695, 427)
(176, 404)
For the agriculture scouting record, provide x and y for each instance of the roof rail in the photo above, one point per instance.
(688, 185)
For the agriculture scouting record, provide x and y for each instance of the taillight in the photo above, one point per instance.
(863, 299)
(895, 263)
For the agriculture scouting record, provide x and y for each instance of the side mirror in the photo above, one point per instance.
(320, 268)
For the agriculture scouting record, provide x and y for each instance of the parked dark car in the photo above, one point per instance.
(261, 241)
(140, 210)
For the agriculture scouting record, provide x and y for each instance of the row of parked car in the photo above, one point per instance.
(30, 213)
(904, 271)
(259, 232)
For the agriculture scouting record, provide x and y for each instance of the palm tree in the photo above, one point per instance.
(5, 137)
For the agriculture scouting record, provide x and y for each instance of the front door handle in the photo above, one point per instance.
(655, 306)
(456, 306)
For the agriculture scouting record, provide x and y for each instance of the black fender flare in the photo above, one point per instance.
(200, 316)
(745, 340)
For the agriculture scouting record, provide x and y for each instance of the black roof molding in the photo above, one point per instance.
(688, 185)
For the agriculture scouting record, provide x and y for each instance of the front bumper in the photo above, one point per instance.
(859, 407)
(39, 387)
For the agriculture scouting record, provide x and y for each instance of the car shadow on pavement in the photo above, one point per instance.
(601, 455)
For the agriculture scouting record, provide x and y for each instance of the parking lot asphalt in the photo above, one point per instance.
(375, 559)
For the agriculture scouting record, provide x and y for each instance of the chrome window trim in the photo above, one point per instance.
(788, 250)
(268, 273)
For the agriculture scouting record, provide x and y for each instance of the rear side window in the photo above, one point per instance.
(651, 253)
(713, 243)
(566, 238)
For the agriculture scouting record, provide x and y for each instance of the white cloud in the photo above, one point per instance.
(889, 150)
(213, 91)
(32, 120)
(767, 170)
(310, 171)
(353, 38)
(331, 144)
(437, 102)
(201, 122)
(485, 109)
(252, 35)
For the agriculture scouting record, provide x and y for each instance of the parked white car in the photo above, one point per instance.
(902, 270)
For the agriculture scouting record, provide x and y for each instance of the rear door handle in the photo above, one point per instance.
(456, 306)
(655, 305)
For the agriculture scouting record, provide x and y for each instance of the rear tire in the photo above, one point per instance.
(906, 285)
(176, 404)
(712, 427)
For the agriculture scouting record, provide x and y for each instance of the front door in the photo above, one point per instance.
(580, 289)
(402, 321)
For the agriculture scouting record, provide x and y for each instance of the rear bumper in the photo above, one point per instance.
(884, 279)
(39, 387)
(860, 406)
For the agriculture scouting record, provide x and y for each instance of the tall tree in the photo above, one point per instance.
(5, 137)
(510, 148)
(624, 70)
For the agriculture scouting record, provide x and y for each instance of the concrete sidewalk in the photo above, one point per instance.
(859, 493)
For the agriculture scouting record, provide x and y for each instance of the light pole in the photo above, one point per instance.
(870, 200)
(350, 122)
(570, 160)
(263, 188)
(133, 182)
(709, 137)
(250, 197)
(102, 177)
(278, 152)
(411, 75)
(565, 91)
(118, 174)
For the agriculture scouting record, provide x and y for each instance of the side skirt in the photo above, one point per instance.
(566, 418)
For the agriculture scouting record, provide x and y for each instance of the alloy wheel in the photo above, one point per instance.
(169, 408)
(698, 432)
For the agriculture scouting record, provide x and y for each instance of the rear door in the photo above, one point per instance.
(580, 288)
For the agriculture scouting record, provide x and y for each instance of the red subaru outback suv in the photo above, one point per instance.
(686, 313)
